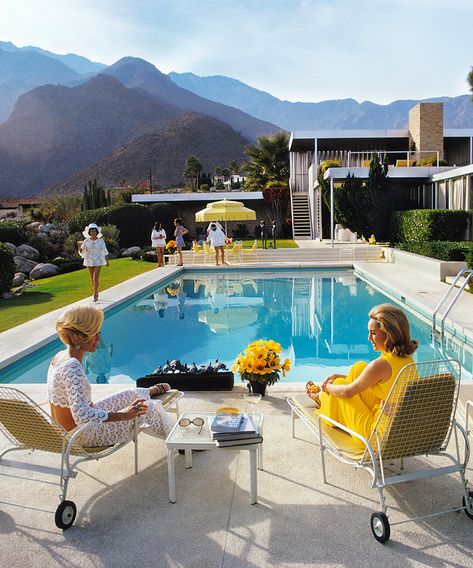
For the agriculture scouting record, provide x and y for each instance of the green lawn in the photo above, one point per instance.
(51, 293)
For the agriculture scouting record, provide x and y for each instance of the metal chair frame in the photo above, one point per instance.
(406, 410)
(45, 434)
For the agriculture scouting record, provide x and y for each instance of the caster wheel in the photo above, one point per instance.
(380, 527)
(468, 513)
(65, 515)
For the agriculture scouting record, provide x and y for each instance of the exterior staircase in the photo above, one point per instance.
(301, 216)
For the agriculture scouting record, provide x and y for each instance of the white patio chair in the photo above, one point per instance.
(417, 419)
(28, 427)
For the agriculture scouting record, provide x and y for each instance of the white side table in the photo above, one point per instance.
(189, 439)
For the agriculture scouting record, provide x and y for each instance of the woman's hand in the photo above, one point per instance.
(329, 381)
(138, 408)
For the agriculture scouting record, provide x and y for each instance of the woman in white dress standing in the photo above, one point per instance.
(95, 254)
(158, 241)
(69, 390)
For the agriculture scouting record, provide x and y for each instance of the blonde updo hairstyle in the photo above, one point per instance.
(393, 321)
(79, 324)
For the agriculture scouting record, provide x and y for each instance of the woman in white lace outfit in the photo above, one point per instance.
(70, 392)
(95, 254)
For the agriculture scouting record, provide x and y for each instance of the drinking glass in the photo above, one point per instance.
(252, 398)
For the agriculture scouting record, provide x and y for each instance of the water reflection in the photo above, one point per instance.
(99, 363)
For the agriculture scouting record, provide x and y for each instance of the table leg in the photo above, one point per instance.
(188, 458)
(253, 478)
(171, 476)
(260, 456)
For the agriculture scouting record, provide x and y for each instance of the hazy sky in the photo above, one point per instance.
(299, 50)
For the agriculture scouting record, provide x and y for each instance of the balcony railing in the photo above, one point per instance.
(397, 158)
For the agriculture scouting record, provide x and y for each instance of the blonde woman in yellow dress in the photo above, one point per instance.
(355, 400)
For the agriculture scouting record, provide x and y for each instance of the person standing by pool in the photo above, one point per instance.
(179, 233)
(217, 239)
(158, 241)
(69, 390)
(95, 254)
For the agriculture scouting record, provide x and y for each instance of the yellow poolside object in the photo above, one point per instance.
(228, 410)
(197, 251)
(417, 419)
(225, 210)
(28, 427)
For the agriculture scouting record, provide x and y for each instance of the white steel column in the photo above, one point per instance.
(332, 228)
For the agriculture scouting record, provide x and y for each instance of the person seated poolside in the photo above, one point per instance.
(355, 400)
(70, 392)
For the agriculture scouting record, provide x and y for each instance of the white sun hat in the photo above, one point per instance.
(86, 234)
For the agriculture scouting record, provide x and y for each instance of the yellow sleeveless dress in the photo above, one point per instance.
(360, 412)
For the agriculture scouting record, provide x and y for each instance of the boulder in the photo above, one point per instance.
(28, 252)
(33, 226)
(43, 270)
(11, 247)
(44, 228)
(18, 279)
(56, 234)
(7, 295)
(24, 265)
(42, 235)
(131, 251)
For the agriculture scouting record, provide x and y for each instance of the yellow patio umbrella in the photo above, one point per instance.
(225, 210)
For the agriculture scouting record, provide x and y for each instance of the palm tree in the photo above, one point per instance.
(192, 169)
(269, 161)
(469, 78)
(233, 167)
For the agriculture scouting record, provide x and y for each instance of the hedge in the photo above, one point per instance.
(441, 250)
(13, 231)
(7, 269)
(428, 225)
(134, 222)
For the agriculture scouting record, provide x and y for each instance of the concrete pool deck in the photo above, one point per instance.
(126, 520)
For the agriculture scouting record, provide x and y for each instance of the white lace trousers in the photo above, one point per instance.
(155, 422)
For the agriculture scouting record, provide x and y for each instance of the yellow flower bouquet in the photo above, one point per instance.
(260, 363)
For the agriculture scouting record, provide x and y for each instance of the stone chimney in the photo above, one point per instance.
(426, 129)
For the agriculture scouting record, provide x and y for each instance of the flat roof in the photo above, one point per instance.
(304, 139)
(453, 173)
(197, 196)
(415, 172)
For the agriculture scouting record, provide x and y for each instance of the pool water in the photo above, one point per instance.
(318, 316)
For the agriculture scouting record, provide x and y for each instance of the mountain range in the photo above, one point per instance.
(67, 119)
(344, 114)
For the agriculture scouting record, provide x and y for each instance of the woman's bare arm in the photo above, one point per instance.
(377, 371)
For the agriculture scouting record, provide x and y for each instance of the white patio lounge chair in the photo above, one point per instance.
(418, 418)
(28, 427)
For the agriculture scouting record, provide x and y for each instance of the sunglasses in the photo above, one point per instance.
(199, 422)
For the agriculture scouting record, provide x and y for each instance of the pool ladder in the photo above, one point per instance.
(468, 274)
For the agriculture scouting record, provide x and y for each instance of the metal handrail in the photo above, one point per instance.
(443, 299)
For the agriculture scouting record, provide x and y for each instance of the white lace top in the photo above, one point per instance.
(94, 252)
(158, 238)
(68, 387)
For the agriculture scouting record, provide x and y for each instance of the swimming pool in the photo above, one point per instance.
(319, 316)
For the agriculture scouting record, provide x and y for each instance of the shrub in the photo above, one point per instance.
(46, 249)
(68, 264)
(7, 269)
(70, 249)
(441, 250)
(241, 232)
(133, 221)
(111, 236)
(13, 231)
(432, 161)
(428, 225)
(469, 263)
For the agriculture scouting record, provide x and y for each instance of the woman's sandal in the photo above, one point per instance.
(313, 391)
(160, 388)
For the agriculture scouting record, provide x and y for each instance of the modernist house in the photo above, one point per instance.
(436, 186)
